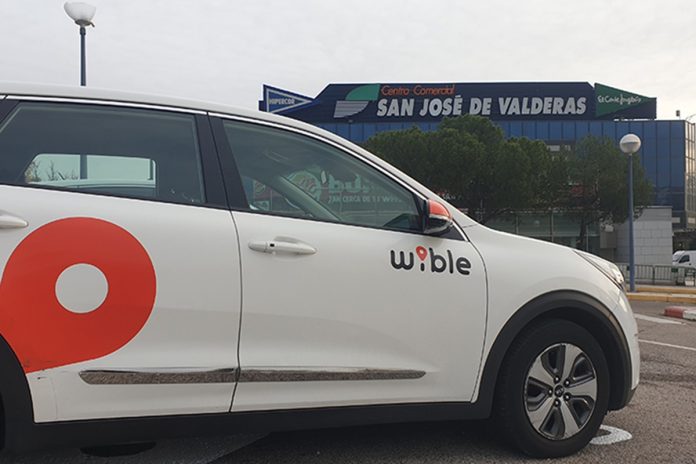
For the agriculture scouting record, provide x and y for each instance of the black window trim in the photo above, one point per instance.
(6, 107)
(237, 196)
(211, 173)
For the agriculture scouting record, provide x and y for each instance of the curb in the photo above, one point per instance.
(671, 290)
(662, 297)
(647, 297)
(681, 312)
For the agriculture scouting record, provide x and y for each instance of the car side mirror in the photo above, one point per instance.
(438, 219)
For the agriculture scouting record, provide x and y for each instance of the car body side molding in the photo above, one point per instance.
(231, 375)
(159, 377)
(114, 431)
(326, 374)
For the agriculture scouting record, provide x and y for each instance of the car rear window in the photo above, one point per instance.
(118, 151)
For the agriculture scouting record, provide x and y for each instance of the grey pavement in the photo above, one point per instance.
(199, 450)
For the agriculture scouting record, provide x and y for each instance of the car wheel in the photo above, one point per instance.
(553, 390)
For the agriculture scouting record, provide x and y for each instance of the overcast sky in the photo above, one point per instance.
(226, 50)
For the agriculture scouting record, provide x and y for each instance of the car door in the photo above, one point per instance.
(121, 281)
(345, 300)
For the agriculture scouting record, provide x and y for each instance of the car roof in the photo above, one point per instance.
(17, 89)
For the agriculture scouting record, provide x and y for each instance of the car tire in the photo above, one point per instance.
(544, 405)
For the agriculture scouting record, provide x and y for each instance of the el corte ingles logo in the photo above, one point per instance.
(611, 100)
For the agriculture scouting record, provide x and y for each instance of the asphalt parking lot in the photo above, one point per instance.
(661, 421)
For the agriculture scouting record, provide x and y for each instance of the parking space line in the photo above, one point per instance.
(669, 345)
(615, 435)
(659, 320)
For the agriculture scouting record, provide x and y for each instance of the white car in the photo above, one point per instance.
(684, 258)
(174, 267)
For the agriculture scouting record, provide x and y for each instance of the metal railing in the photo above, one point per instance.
(656, 274)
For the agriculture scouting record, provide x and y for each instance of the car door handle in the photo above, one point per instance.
(10, 221)
(282, 246)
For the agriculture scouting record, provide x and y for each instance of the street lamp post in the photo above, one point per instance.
(630, 144)
(82, 14)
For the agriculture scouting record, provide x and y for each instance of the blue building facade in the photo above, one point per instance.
(558, 114)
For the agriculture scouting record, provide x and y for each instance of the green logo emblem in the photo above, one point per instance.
(611, 100)
(356, 100)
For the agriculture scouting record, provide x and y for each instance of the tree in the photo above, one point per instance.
(469, 161)
(598, 173)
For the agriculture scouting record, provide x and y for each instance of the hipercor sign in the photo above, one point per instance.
(432, 102)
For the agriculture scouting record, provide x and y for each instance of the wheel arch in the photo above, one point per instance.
(576, 307)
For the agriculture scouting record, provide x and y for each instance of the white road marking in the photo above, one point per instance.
(615, 435)
(669, 345)
(659, 320)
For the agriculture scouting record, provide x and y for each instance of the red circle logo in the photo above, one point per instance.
(39, 329)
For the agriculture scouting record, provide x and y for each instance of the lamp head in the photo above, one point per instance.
(630, 144)
(81, 13)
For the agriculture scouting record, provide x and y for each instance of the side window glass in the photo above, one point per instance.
(261, 197)
(290, 174)
(684, 259)
(94, 173)
(117, 151)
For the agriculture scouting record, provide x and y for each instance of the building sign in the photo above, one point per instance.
(611, 100)
(276, 100)
(432, 102)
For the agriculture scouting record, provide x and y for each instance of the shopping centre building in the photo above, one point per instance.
(557, 113)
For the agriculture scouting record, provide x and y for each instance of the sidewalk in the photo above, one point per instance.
(665, 294)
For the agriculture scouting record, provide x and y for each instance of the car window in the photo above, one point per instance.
(684, 259)
(129, 176)
(117, 151)
(264, 198)
(291, 174)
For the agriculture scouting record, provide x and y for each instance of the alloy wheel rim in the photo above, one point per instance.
(560, 391)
